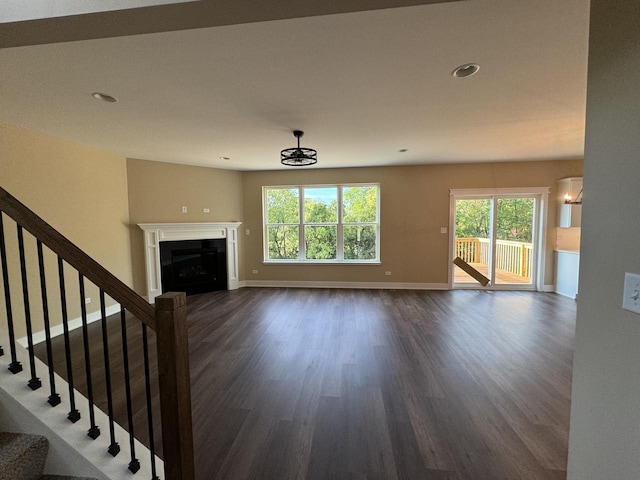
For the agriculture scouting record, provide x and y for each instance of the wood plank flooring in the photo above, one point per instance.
(367, 384)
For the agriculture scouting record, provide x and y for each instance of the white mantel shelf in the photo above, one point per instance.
(154, 233)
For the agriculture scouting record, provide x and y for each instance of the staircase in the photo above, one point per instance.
(33, 254)
(22, 457)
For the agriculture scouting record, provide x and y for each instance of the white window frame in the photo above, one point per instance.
(301, 225)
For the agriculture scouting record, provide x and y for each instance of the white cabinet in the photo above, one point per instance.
(570, 214)
(567, 270)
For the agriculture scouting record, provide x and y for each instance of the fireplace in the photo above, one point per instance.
(196, 259)
(193, 266)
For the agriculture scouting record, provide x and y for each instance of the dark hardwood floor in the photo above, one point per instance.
(366, 384)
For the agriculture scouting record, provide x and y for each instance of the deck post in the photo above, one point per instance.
(175, 386)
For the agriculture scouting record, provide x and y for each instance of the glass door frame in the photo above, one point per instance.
(541, 196)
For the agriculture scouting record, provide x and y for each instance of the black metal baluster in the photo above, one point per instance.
(147, 381)
(15, 366)
(114, 448)
(94, 430)
(54, 398)
(134, 464)
(34, 382)
(74, 414)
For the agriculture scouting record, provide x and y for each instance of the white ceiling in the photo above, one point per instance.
(19, 10)
(361, 85)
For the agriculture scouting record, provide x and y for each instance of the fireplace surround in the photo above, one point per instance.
(190, 240)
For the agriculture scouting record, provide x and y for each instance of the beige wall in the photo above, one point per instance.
(604, 439)
(158, 191)
(80, 191)
(414, 205)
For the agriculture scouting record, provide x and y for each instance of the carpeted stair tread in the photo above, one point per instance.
(22, 456)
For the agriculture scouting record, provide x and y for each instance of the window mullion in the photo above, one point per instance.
(339, 231)
(302, 247)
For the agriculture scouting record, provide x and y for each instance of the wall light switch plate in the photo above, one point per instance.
(443, 229)
(631, 296)
(184, 209)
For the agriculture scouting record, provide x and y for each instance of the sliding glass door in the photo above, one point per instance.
(473, 220)
(514, 241)
(495, 240)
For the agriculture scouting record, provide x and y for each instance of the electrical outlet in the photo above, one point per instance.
(247, 232)
(255, 272)
(387, 273)
(631, 295)
(87, 300)
(443, 229)
(206, 210)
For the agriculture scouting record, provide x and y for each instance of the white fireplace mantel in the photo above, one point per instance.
(154, 233)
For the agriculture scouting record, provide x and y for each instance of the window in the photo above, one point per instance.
(328, 223)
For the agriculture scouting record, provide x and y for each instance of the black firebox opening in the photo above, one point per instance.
(193, 266)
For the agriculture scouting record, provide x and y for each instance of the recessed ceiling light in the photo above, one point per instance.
(104, 97)
(225, 158)
(466, 70)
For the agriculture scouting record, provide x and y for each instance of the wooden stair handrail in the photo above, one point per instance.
(175, 386)
(79, 260)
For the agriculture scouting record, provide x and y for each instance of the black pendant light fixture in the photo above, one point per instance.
(298, 157)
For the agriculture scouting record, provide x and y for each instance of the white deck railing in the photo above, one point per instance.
(512, 257)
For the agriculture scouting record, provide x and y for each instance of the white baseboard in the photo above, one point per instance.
(362, 285)
(357, 285)
(56, 330)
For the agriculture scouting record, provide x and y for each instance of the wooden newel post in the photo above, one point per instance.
(175, 386)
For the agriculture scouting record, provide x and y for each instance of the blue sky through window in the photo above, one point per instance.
(322, 194)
